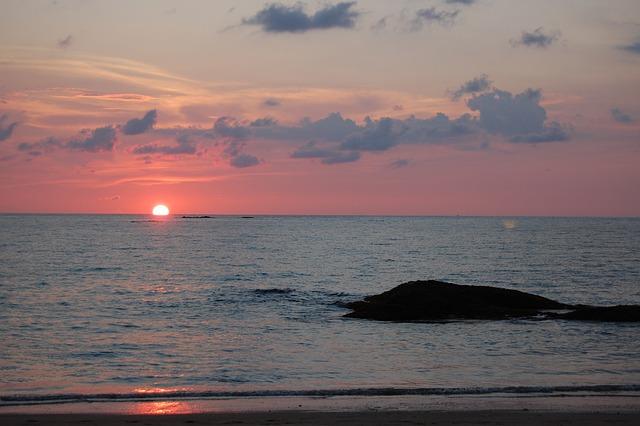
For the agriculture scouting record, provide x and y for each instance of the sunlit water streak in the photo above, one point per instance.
(121, 304)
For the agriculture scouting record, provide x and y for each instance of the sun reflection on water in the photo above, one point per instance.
(162, 407)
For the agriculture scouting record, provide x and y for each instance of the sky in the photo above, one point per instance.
(410, 107)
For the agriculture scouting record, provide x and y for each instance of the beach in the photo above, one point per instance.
(585, 410)
(485, 417)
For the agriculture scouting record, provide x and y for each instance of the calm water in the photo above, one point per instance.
(94, 304)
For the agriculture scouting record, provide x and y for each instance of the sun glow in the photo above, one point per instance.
(160, 210)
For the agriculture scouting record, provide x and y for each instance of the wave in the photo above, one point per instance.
(12, 400)
(273, 290)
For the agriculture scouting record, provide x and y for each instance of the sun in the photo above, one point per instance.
(160, 210)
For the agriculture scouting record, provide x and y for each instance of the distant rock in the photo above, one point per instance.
(441, 301)
(197, 217)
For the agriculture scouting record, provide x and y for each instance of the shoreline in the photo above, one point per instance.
(557, 403)
(528, 411)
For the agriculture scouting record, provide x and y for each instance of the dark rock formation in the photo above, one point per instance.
(441, 301)
(197, 217)
(620, 313)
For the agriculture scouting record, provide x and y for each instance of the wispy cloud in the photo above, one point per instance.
(461, 2)
(633, 47)
(536, 38)
(620, 116)
(432, 15)
(6, 128)
(66, 42)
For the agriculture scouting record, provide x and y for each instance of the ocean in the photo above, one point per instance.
(120, 306)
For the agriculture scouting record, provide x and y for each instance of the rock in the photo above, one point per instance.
(441, 301)
(620, 313)
(197, 217)
(437, 300)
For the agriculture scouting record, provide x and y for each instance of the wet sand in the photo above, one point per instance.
(460, 418)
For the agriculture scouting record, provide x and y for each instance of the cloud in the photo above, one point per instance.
(477, 85)
(536, 38)
(229, 128)
(462, 2)
(137, 126)
(432, 15)
(263, 122)
(65, 42)
(553, 132)
(621, 116)
(244, 160)
(398, 164)
(100, 139)
(237, 158)
(279, 18)
(380, 24)
(333, 127)
(185, 146)
(271, 102)
(519, 117)
(632, 48)
(377, 136)
(6, 130)
(327, 155)
(45, 145)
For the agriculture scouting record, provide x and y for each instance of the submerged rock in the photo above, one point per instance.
(437, 300)
(620, 313)
(441, 301)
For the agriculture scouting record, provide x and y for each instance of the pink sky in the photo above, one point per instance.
(388, 109)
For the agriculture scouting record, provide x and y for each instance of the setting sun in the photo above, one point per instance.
(160, 210)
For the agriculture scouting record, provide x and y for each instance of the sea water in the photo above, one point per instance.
(121, 306)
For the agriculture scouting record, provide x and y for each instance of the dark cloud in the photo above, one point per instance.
(376, 136)
(632, 48)
(432, 15)
(237, 158)
(100, 139)
(279, 18)
(536, 38)
(137, 126)
(244, 160)
(6, 129)
(398, 164)
(477, 85)
(45, 145)
(333, 127)
(185, 146)
(327, 155)
(65, 42)
(553, 132)
(271, 102)
(383, 134)
(262, 122)
(621, 116)
(519, 117)
(342, 157)
(229, 128)
(462, 2)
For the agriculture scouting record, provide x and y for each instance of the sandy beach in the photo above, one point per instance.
(569, 410)
(489, 417)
